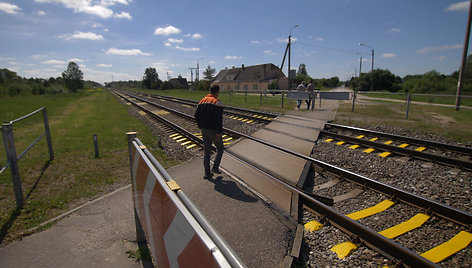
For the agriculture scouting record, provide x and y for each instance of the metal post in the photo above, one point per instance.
(230, 95)
(260, 101)
(140, 236)
(9, 142)
(464, 59)
(95, 145)
(320, 99)
(245, 95)
(283, 99)
(48, 133)
(354, 100)
(408, 105)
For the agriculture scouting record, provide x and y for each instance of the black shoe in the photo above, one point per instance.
(208, 176)
(215, 171)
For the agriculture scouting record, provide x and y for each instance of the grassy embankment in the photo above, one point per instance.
(75, 175)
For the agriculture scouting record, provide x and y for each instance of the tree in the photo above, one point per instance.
(208, 73)
(302, 69)
(73, 77)
(151, 78)
(383, 80)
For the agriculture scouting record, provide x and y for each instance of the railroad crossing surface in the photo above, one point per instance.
(102, 232)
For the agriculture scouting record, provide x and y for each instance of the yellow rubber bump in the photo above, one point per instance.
(313, 226)
(354, 146)
(404, 145)
(161, 112)
(191, 146)
(250, 121)
(142, 113)
(245, 120)
(388, 142)
(128, 103)
(177, 137)
(185, 143)
(371, 210)
(181, 140)
(329, 140)
(360, 136)
(420, 149)
(344, 249)
(399, 229)
(173, 135)
(239, 118)
(448, 248)
(228, 139)
(385, 154)
(340, 142)
(370, 150)
(373, 139)
(265, 117)
(227, 143)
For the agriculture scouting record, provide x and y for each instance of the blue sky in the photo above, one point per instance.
(119, 39)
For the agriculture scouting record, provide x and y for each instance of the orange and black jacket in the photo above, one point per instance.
(209, 114)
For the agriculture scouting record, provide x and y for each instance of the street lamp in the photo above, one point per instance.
(372, 71)
(289, 50)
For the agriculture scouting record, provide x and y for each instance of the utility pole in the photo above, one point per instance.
(191, 75)
(372, 71)
(464, 59)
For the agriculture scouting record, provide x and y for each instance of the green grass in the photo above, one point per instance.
(425, 119)
(74, 176)
(436, 99)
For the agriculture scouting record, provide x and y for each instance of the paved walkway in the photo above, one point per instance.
(100, 234)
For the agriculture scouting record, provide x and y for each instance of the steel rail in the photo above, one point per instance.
(225, 108)
(370, 237)
(403, 151)
(437, 145)
(444, 211)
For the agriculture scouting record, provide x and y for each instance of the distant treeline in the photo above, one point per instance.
(430, 82)
(11, 85)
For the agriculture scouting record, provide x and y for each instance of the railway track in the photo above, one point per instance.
(389, 144)
(352, 222)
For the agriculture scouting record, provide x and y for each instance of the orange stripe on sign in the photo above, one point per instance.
(196, 250)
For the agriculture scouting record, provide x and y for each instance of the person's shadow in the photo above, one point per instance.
(231, 189)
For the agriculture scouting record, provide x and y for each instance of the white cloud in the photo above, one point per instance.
(167, 44)
(187, 48)
(54, 62)
(461, 6)
(41, 13)
(102, 65)
(9, 8)
(126, 52)
(282, 40)
(440, 58)
(83, 36)
(388, 55)
(394, 30)
(446, 47)
(197, 36)
(100, 9)
(167, 30)
(255, 42)
(76, 60)
(233, 57)
(123, 15)
(172, 40)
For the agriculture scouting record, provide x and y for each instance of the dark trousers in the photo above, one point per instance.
(308, 102)
(209, 137)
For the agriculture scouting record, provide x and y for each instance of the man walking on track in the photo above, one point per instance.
(209, 116)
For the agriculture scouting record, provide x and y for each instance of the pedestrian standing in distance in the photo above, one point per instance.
(209, 116)
(310, 89)
(300, 88)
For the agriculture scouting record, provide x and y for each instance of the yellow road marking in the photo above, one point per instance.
(399, 229)
(371, 210)
(446, 249)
